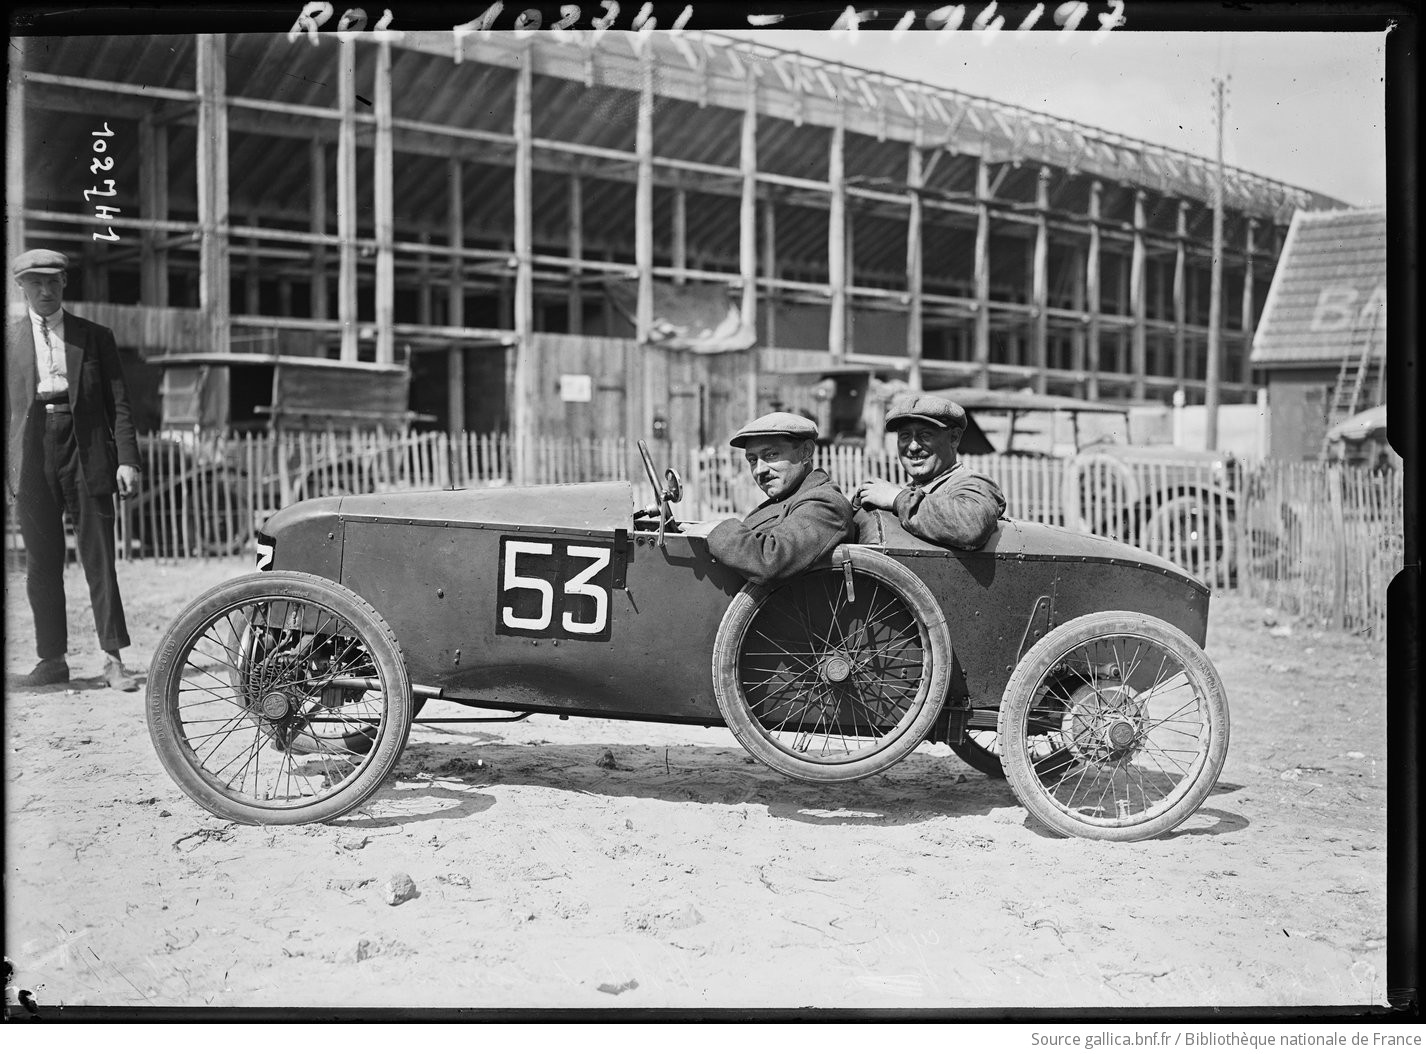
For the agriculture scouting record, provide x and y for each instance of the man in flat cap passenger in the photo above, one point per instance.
(71, 446)
(805, 516)
(945, 503)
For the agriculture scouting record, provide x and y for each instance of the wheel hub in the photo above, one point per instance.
(276, 706)
(836, 669)
(1108, 723)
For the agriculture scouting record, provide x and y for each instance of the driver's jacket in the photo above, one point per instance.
(780, 538)
(958, 509)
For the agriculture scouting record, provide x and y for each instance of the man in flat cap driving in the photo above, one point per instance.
(945, 503)
(805, 516)
(71, 446)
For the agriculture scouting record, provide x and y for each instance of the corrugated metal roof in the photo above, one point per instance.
(1328, 296)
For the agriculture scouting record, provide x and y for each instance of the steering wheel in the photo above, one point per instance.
(669, 491)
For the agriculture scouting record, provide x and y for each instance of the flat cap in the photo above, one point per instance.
(915, 406)
(39, 261)
(775, 424)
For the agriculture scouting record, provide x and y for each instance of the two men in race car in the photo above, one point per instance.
(945, 503)
(805, 517)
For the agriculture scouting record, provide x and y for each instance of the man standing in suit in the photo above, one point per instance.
(71, 445)
(805, 516)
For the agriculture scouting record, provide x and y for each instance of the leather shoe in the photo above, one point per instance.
(47, 671)
(115, 676)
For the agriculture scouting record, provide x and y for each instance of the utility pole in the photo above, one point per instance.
(1215, 294)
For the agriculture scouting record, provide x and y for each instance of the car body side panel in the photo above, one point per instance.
(437, 587)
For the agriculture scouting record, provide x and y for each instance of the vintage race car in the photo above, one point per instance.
(1075, 662)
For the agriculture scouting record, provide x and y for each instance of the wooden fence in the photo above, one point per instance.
(1311, 539)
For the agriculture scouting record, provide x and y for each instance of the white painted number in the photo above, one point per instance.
(513, 549)
(581, 586)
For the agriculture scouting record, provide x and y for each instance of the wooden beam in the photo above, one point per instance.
(914, 264)
(384, 204)
(346, 200)
(15, 157)
(212, 161)
(747, 205)
(680, 235)
(1091, 294)
(770, 298)
(575, 294)
(455, 298)
(1040, 283)
(837, 241)
(153, 202)
(1138, 365)
(1180, 286)
(525, 389)
(1077, 300)
(644, 206)
(252, 273)
(1250, 322)
(317, 157)
(982, 272)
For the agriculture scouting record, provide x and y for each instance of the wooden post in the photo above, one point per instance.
(425, 306)
(524, 393)
(1249, 309)
(770, 271)
(252, 271)
(680, 235)
(747, 206)
(212, 162)
(1077, 342)
(982, 272)
(914, 264)
(317, 157)
(455, 298)
(1137, 357)
(1091, 293)
(346, 199)
(837, 242)
(15, 156)
(1180, 284)
(1040, 286)
(575, 294)
(383, 162)
(153, 199)
(644, 205)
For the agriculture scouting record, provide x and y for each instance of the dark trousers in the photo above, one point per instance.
(50, 484)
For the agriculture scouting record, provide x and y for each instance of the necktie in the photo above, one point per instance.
(49, 348)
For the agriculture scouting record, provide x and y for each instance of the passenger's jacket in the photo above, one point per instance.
(780, 538)
(957, 509)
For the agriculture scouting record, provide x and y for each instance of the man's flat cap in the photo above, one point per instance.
(777, 424)
(914, 406)
(39, 261)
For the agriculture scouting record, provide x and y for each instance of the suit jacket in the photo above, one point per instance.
(958, 509)
(98, 398)
(780, 538)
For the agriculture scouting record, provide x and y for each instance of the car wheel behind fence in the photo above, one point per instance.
(836, 674)
(1195, 531)
(279, 698)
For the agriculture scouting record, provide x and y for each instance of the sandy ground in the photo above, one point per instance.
(688, 876)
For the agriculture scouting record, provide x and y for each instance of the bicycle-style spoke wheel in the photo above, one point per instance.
(835, 674)
(1135, 715)
(279, 698)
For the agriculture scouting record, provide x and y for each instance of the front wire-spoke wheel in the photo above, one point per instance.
(835, 674)
(279, 698)
(1135, 712)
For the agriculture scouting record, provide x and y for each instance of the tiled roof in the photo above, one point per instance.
(1328, 295)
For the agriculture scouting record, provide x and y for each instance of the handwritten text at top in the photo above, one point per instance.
(949, 17)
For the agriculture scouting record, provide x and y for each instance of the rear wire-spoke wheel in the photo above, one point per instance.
(835, 674)
(1136, 713)
(279, 698)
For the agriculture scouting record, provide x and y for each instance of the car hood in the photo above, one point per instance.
(580, 506)
(1024, 538)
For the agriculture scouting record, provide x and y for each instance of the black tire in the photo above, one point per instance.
(1143, 715)
(981, 751)
(868, 670)
(1179, 530)
(279, 698)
